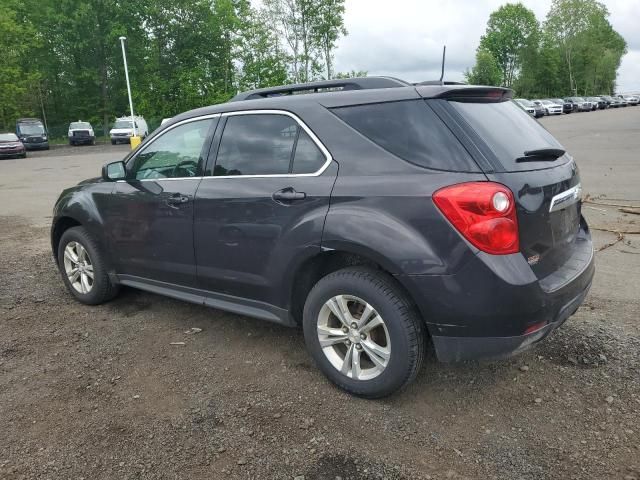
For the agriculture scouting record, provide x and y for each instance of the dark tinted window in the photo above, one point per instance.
(308, 157)
(508, 131)
(410, 130)
(256, 145)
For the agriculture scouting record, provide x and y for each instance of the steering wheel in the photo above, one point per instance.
(189, 166)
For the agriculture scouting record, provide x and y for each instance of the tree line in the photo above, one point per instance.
(575, 51)
(62, 58)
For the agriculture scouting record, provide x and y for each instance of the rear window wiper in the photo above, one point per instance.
(541, 155)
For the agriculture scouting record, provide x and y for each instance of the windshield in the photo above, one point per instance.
(547, 102)
(577, 99)
(123, 124)
(31, 128)
(508, 131)
(79, 125)
(8, 137)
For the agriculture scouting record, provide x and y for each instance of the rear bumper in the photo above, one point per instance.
(456, 349)
(487, 308)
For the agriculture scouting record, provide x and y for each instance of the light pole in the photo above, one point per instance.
(126, 74)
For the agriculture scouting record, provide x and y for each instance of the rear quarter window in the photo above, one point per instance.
(410, 130)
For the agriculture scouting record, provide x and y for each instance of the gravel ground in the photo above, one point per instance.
(105, 392)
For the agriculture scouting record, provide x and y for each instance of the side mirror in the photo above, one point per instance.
(114, 171)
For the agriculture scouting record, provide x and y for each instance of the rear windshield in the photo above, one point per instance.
(78, 125)
(508, 131)
(410, 130)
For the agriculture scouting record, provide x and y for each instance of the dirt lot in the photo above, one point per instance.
(99, 392)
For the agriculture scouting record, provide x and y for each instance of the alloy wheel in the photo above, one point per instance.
(354, 337)
(78, 267)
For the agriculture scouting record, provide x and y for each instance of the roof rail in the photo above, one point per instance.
(357, 83)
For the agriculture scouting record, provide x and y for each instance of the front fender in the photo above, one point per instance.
(83, 204)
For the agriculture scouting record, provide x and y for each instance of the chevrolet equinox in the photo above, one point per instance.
(377, 214)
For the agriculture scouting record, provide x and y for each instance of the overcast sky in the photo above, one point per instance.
(404, 38)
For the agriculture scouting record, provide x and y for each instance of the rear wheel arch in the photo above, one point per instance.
(315, 268)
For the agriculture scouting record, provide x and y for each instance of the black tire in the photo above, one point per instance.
(406, 329)
(113, 142)
(23, 155)
(102, 289)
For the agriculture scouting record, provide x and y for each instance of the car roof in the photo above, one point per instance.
(337, 93)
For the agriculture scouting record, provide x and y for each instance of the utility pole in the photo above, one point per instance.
(126, 73)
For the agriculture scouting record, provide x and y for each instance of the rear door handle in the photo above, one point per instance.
(288, 195)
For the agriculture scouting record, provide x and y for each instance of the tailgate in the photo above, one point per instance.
(546, 185)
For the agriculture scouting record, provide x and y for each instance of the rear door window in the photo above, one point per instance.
(508, 131)
(410, 130)
(266, 144)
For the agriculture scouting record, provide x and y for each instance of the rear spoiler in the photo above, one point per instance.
(478, 94)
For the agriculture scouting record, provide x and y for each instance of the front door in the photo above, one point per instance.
(263, 208)
(151, 214)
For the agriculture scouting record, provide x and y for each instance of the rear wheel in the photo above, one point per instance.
(363, 332)
(83, 267)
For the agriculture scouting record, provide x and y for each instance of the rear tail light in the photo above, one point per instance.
(484, 213)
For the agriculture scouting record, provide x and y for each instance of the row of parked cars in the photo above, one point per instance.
(31, 134)
(558, 106)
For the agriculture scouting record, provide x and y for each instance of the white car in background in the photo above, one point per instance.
(551, 107)
(527, 105)
(123, 129)
(81, 133)
(630, 99)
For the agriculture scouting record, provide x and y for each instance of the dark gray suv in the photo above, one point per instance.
(377, 214)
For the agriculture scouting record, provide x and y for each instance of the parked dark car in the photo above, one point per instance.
(600, 103)
(610, 101)
(378, 215)
(32, 134)
(11, 146)
(581, 105)
(567, 106)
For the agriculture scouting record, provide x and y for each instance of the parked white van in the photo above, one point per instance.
(122, 129)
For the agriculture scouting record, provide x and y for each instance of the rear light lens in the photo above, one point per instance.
(484, 213)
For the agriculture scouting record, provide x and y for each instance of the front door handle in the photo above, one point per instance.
(288, 194)
(177, 199)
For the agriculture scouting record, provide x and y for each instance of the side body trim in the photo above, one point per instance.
(229, 303)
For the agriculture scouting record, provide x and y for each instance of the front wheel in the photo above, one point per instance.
(83, 267)
(363, 332)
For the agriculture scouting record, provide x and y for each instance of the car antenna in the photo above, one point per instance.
(444, 52)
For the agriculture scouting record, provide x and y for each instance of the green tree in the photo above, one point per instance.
(587, 42)
(351, 74)
(16, 40)
(486, 71)
(511, 30)
(262, 58)
(328, 28)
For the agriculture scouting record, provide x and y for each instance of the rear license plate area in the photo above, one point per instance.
(565, 224)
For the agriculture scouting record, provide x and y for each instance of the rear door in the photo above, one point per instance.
(546, 187)
(263, 207)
